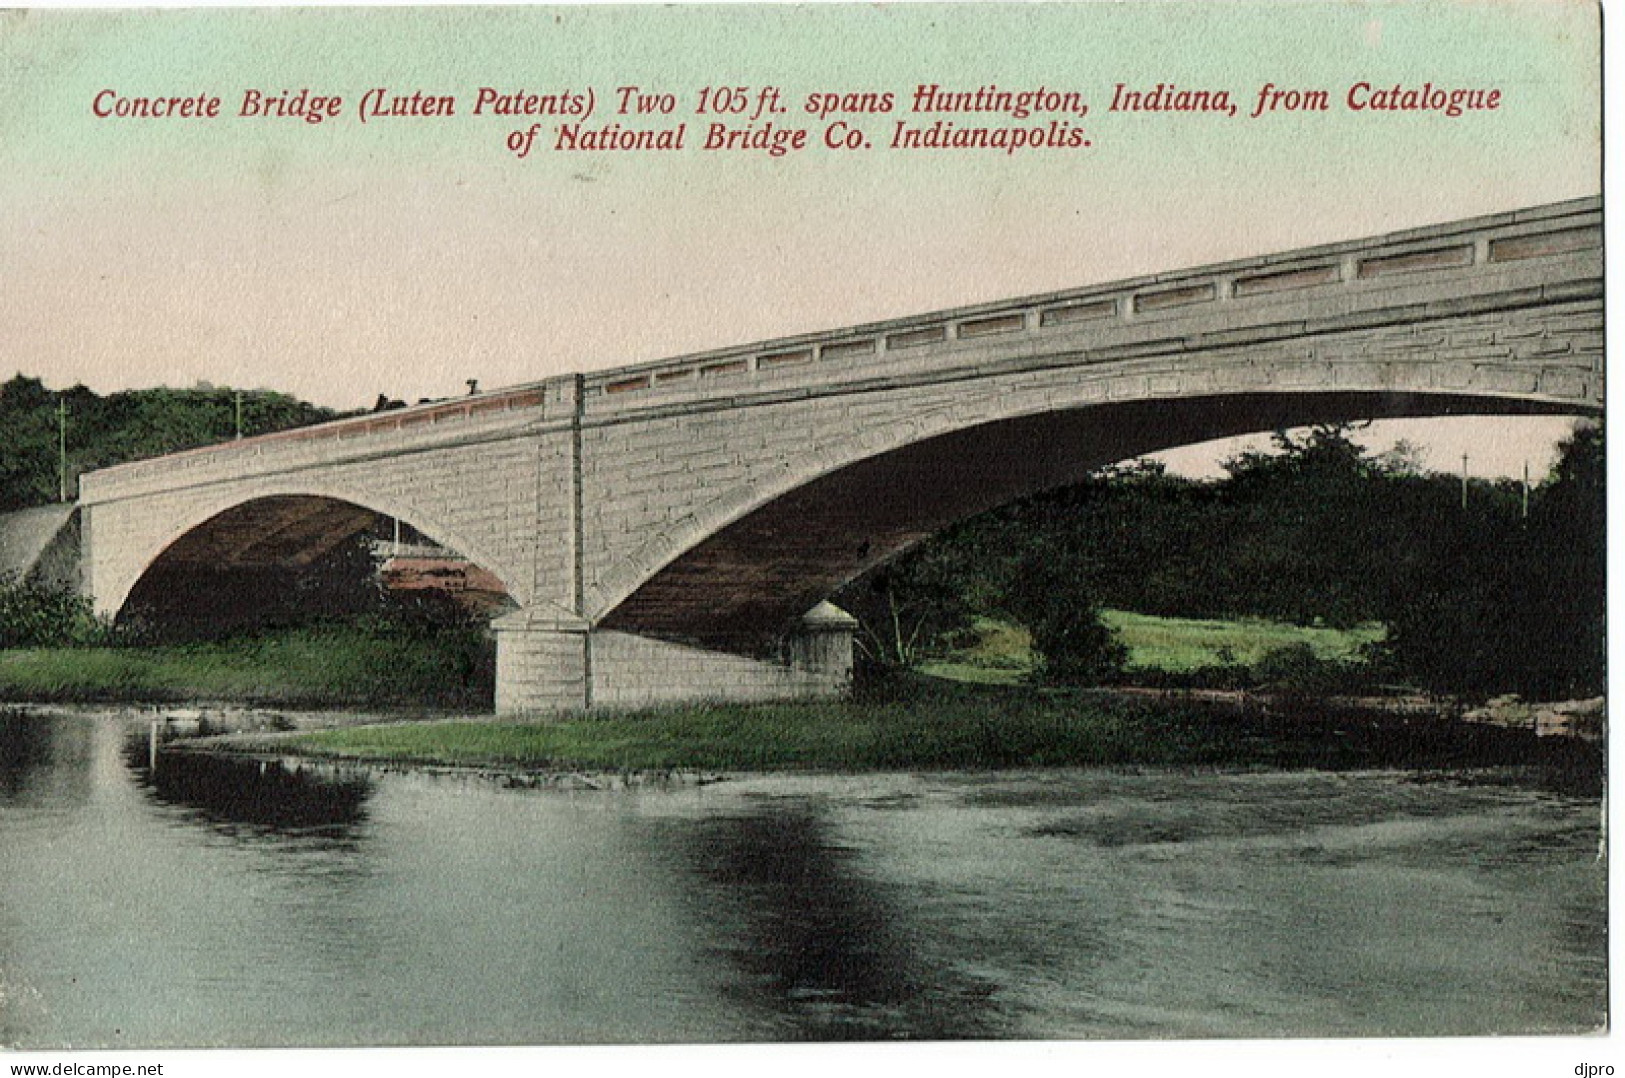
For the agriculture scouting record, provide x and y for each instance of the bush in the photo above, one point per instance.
(1296, 668)
(1077, 648)
(38, 615)
(1051, 599)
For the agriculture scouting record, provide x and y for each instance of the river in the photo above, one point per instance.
(223, 906)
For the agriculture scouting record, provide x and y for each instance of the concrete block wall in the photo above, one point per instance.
(59, 563)
(41, 545)
(540, 671)
(635, 671)
(548, 669)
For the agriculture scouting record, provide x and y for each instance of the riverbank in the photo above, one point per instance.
(377, 663)
(323, 667)
(922, 725)
(904, 722)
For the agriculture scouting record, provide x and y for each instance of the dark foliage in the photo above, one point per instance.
(1050, 593)
(1490, 602)
(120, 427)
(1477, 599)
(922, 602)
(37, 615)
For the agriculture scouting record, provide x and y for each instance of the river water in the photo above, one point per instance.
(225, 906)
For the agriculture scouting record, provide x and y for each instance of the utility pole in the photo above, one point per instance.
(239, 415)
(1526, 489)
(1464, 480)
(62, 449)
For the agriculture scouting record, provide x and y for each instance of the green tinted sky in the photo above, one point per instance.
(342, 260)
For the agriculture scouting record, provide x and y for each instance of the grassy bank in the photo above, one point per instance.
(1182, 644)
(1002, 653)
(308, 667)
(920, 724)
(350, 666)
(905, 723)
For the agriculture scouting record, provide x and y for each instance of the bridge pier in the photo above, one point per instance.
(551, 662)
(542, 662)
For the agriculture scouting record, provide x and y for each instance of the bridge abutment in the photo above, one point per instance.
(550, 663)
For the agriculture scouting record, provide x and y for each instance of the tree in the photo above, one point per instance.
(913, 605)
(1050, 595)
(1569, 523)
(1309, 537)
(28, 451)
(1490, 603)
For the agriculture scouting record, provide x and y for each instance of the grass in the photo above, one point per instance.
(926, 724)
(1182, 644)
(309, 667)
(927, 727)
(1002, 653)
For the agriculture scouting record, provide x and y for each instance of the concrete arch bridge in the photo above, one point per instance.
(664, 528)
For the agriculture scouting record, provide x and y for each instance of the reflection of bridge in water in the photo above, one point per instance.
(664, 528)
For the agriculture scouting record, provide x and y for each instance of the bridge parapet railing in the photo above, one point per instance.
(1335, 277)
(430, 422)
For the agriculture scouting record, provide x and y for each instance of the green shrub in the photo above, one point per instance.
(1296, 668)
(40, 615)
(1054, 603)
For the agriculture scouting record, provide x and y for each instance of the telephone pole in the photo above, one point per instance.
(239, 415)
(1464, 480)
(61, 449)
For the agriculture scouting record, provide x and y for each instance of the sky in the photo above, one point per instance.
(405, 255)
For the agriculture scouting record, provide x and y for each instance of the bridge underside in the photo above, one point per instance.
(270, 561)
(278, 531)
(742, 589)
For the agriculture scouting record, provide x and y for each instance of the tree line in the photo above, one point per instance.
(132, 425)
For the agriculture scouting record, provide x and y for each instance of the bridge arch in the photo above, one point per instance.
(289, 525)
(747, 563)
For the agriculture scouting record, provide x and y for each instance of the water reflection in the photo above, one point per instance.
(819, 941)
(266, 793)
(44, 762)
